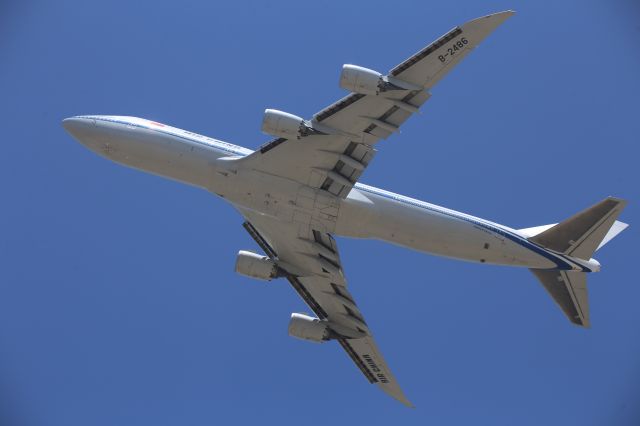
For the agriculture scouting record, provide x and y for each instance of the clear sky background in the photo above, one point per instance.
(118, 300)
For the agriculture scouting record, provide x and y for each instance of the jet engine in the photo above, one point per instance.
(361, 80)
(308, 328)
(284, 125)
(253, 265)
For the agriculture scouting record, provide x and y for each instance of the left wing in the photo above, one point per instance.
(312, 265)
(337, 143)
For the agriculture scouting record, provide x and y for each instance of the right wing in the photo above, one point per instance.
(334, 159)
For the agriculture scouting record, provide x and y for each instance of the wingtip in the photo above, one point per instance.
(489, 22)
(396, 393)
(504, 15)
(404, 401)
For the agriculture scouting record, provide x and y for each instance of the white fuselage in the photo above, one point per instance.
(367, 212)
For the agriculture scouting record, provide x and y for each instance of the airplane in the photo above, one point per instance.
(300, 190)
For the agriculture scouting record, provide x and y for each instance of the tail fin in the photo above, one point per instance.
(583, 233)
(569, 290)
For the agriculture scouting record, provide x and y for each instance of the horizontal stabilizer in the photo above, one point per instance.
(569, 290)
(580, 235)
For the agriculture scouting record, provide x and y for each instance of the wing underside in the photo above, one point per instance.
(319, 281)
(334, 158)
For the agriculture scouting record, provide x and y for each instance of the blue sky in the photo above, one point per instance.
(118, 300)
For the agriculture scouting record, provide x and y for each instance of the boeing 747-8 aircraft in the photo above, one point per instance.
(299, 190)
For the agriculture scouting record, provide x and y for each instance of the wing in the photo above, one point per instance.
(312, 264)
(334, 156)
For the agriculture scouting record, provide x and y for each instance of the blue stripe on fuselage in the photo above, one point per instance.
(560, 262)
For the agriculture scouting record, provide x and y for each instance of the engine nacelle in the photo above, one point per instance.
(361, 80)
(308, 328)
(283, 125)
(253, 265)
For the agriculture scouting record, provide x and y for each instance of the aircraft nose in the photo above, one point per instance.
(79, 127)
